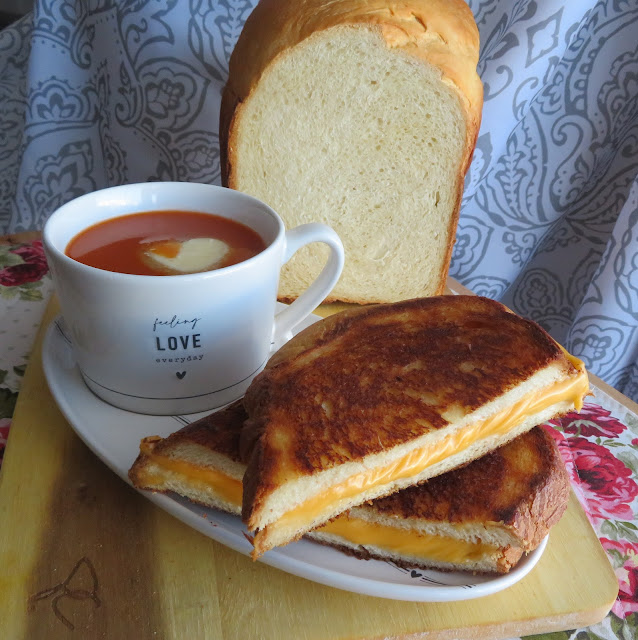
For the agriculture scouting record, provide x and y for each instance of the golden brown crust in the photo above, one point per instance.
(509, 558)
(217, 431)
(257, 484)
(365, 380)
(523, 485)
(442, 33)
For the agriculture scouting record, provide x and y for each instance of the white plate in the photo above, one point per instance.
(114, 436)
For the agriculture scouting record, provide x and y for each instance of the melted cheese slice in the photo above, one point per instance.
(305, 515)
(200, 478)
(350, 529)
(406, 542)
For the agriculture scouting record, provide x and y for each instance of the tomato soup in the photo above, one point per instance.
(163, 243)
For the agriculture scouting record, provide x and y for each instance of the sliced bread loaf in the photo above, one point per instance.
(362, 115)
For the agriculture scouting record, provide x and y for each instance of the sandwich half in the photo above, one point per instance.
(200, 461)
(480, 518)
(376, 399)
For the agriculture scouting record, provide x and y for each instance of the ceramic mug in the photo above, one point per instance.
(186, 343)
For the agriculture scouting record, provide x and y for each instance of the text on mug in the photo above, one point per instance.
(172, 343)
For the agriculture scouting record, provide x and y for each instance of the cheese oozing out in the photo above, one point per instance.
(188, 256)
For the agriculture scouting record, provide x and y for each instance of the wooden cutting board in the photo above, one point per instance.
(82, 555)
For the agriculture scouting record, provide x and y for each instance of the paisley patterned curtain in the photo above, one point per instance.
(101, 92)
(548, 222)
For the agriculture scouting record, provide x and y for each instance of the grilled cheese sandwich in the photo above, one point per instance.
(377, 399)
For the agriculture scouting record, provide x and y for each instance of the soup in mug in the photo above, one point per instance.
(165, 243)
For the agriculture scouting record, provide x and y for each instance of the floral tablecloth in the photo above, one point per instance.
(599, 445)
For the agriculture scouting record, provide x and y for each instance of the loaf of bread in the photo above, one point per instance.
(362, 115)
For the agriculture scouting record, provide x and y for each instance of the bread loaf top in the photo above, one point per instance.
(440, 32)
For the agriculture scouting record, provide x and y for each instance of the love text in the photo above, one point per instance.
(172, 343)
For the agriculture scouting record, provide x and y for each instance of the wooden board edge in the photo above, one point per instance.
(576, 510)
(508, 629)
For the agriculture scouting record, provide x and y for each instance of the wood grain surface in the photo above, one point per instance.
(82, 555)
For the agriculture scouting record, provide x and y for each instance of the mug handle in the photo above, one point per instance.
(287, 319)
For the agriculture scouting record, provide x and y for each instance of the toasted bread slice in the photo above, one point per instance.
(482, 517)
(377, 399)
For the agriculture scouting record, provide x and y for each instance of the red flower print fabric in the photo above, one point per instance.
(624, 557)
(31, 269)
(607, 482)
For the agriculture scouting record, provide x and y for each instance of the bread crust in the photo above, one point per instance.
(366, 380)
(218, 431)
(437, 33)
